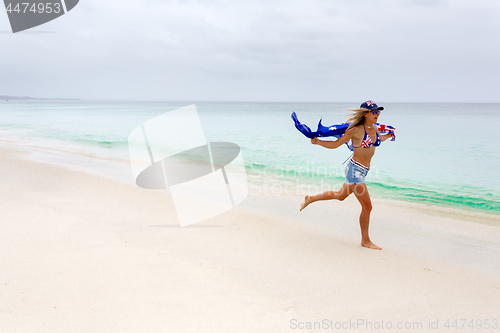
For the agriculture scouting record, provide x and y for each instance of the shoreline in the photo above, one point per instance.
(264, 204)
(104, 167)
(83, 253)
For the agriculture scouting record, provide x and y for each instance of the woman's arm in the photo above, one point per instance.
(333, 144)
(385, 137)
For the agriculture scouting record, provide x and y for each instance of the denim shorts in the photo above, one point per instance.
(355, 172)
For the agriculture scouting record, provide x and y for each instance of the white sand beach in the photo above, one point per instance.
(83, 253)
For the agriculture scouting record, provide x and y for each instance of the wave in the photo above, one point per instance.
(487, 203)
(462, 198)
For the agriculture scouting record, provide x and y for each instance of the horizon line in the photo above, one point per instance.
(63, 99)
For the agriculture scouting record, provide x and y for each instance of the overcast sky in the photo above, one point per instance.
(210, 50)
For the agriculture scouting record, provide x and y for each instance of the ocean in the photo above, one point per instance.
(444, 154)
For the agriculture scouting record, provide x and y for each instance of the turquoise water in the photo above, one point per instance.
(444, 154)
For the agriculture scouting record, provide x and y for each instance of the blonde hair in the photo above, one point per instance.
(357, 117)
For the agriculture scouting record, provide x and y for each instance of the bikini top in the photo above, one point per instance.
(367, 141)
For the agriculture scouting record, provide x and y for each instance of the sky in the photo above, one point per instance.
(272, 50)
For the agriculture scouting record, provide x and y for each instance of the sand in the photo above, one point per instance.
(84, 253)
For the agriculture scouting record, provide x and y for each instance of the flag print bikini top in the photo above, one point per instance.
(367, 141)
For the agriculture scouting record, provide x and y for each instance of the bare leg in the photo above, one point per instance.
(361, 192)
(341, 194)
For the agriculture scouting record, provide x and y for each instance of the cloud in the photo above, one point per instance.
(261, 50)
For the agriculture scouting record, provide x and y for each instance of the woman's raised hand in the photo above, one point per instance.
(314, 141)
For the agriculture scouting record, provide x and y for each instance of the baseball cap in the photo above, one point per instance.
(370, 105)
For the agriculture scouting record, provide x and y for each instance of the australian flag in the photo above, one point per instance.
(338, 131)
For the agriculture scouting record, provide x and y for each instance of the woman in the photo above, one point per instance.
(365, 137)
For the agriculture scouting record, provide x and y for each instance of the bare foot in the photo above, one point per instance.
(370, 245)
(307, 201)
